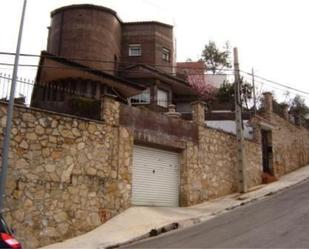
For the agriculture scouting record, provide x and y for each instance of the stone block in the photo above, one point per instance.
(60, 217)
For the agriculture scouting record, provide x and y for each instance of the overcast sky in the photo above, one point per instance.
(271, 35)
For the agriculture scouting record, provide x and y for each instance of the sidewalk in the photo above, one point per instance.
(136, 222)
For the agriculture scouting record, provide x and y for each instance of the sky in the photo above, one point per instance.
(271, 35)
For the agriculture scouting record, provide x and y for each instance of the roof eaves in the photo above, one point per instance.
(157, 71)
(45, 54)
(149, 22)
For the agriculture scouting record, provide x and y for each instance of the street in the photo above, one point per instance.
(279, 221)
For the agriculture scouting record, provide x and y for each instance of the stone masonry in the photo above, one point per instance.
(209, 167)
(68, 175)
(64, 175)
(290, 143)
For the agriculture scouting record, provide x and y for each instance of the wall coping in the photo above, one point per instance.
(35, 109)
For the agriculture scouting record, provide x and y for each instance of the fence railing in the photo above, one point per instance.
(23, 92)
(53, 97)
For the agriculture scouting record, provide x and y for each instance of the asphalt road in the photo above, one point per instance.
(280, 221)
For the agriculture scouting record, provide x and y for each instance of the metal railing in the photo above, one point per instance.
(24, 88)
(53, 97)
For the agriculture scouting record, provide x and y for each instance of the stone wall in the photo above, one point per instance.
(69, 175)
(289, 142)
(208, 156)
(290, 146)
(66, 175)
(210, 169)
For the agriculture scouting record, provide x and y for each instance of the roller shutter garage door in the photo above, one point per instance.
(156, 175)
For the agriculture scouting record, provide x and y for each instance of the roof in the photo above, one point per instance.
(108, 10)
(85, 6)
(53, 67)
(184, 69)
(194, 65)
(179, 85)
(149, 22)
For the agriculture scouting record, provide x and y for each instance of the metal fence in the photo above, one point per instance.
(23, 92)
(53, 97)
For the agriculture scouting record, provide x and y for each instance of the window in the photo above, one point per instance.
(135, 50)
(166, 54)
(162, 98)
(143, 98)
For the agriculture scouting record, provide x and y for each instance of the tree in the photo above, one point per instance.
(205, 91)
(298, 106)
(194, 73)
(226, 92)
(215, 59)
(246, 92)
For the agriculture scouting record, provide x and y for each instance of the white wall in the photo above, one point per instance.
(215, 80)
(229, 126)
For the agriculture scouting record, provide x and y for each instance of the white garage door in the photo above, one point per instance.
(155, 177)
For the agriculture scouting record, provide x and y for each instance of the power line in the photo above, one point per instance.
(34, 67)
(276, 83)
(103, 61)
(94, 69)
(283, 90)
(119, 63)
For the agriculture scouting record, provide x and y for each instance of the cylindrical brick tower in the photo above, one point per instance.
(88, 32)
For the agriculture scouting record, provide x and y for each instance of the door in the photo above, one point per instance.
(155, 177)
(267, 151)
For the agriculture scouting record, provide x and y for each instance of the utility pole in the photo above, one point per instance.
(254, 96)
(6, 141)
(239, 128)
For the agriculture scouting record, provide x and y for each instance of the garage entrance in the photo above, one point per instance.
(155, 177)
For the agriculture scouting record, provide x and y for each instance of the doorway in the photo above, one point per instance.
(267, 151)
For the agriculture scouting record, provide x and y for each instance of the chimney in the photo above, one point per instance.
(268, 102)
(286, 112)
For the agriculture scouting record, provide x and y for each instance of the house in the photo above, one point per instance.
(218, 115)
(69, 174)
(92, 51)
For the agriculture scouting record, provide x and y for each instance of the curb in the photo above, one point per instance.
(151, 233)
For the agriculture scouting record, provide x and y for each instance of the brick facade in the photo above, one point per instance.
(97, 33)
(89, 33)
